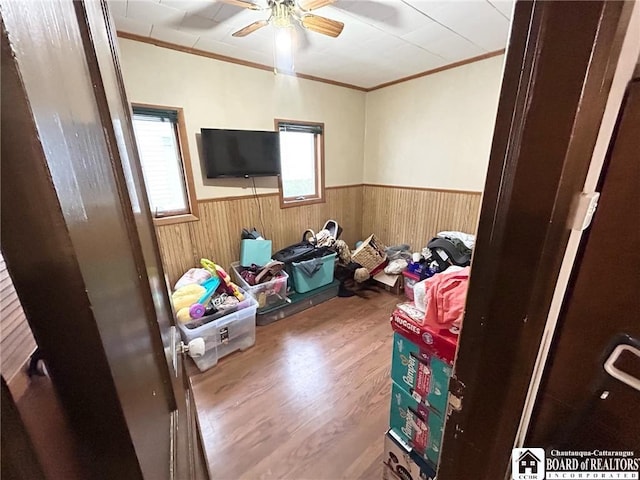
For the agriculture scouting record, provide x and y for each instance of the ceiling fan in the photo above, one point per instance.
(287, 13)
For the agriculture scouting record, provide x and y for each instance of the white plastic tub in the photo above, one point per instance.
(225, 335)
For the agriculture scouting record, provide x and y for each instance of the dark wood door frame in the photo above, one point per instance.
(600, 312)
(558, 72)
(41, 260)
(80, 245)
(101, 49)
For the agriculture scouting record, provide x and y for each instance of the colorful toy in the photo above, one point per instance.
(191, 301)
(210, 286)
(217, 271)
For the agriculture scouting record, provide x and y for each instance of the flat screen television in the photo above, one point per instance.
(240, 153)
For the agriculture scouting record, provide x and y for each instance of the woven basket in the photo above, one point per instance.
(371, 254)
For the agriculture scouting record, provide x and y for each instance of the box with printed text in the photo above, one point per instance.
(423, 375)
(441, 343)
(401, 462)
(419, 426)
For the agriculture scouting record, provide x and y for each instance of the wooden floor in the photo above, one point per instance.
(309, 401)
(60, 456)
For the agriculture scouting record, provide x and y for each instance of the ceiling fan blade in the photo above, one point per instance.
(243, 4)
(322, 25)
(243, 32)
(308, 5)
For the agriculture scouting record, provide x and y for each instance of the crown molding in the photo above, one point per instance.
(259, 66)
(484, 56)
(237, 61)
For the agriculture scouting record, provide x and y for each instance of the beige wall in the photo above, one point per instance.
(217, 94)
(434, 131)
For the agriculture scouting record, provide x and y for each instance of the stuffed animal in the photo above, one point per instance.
(183, 315)
(186, 296)
(344, 258)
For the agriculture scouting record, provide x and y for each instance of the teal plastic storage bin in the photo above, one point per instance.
(312, 274)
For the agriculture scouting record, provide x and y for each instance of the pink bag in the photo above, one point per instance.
(193, 275)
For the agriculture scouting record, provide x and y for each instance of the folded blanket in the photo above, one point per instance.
(446, 296)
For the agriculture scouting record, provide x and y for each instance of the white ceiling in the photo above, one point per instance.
(382, 41)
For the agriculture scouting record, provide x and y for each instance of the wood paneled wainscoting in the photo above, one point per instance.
(414, 215)
(16, 340)
(216, 235)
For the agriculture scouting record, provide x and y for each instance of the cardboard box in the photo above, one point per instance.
(423, 375)
(387, 474)
(416, 424)
(401, 462)
(391, 283)
(441, 343)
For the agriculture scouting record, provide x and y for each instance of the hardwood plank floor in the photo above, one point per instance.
(309, 401)
(59, 453)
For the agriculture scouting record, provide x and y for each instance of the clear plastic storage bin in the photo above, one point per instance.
(268, 294)
(225, 335)
(410, 279)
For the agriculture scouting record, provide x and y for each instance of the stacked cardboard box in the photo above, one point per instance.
(402, 463)
(420, 371)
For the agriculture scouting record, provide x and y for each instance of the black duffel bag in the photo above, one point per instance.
(449, 251)
(299, 252)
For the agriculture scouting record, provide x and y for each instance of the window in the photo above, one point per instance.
(301, 162)
(166, 167)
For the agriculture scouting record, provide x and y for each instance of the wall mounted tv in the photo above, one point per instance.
(240, 153)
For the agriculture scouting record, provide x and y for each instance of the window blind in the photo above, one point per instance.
(157, 114)
(296, 127)
(156, 136)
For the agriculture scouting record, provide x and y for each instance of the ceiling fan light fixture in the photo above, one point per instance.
(283, 49)
(281, 15)
(286, 15)
(284, 38)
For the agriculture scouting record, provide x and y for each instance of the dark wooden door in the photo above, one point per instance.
(79, 243)
(559, 65)
(581, 405)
